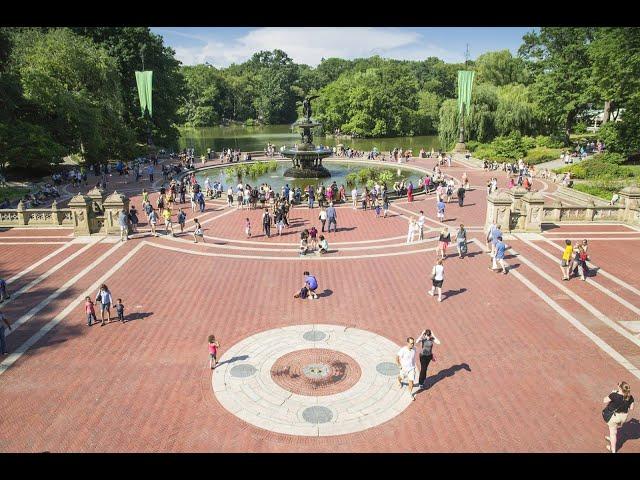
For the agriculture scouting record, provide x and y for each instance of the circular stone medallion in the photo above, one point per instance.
(285, 386)
(316, 371)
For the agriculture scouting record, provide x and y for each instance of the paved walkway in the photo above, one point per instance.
(524, 363)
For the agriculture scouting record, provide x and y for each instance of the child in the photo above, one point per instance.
(378, 208)
(247, 227)
(303, 246)
(313, 232)
(90, 311)
(324, 246)
(120, 310)
(213, 351)
(197, 232)
(182, 218)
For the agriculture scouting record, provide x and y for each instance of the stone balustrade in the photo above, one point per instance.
(515, 210)
(87, 214)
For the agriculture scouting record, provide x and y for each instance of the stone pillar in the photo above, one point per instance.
(81, 212)
(112, 205)
(517, 193)
(97, 198)
(557, 210)
(630, 200)
(22, 216)
(56, 215)
(590, 211)
(499, 210)
(534, 203)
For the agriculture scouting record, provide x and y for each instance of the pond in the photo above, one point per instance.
(339, 170)
(256, 138)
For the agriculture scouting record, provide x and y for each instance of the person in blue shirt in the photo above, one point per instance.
(440, 205)
(309, 288)
(498, 258)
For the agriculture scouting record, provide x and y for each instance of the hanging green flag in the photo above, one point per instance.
(465, 83)
(144, 81)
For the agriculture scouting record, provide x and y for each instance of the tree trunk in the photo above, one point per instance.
(607, 111)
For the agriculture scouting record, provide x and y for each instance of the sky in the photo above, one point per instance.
(222, 46)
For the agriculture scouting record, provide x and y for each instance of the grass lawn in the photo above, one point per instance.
(13, 193)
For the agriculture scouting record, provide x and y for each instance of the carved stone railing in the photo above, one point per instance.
(87, 214)
(36, 217)
(515, 210)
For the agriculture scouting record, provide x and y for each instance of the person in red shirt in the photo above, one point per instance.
(90, 310)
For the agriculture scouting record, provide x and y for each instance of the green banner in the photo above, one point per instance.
(465, 83)
(144, 81)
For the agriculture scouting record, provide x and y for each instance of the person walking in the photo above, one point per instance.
(461, 241)
(182, 219)
(437, 279)
(133, 218)
(498, 257)
(461, 192)
(427, 339)
(120, 310)
(168, 224)
(198, 232)
(567, 255)
(443, 242)
(421, 220)
(104, 297)
(214, 345)
(3, 290)
(153, 221)
(618, 405)
(123, 221)
(266, 223)
(412, 229)
(3, 343)
(323, 218)
(581, 261)
(406, 360)
(440, 206)
(332, 217)
(90, 310)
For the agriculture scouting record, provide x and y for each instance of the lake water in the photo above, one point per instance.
(256, 138)
(276, 178)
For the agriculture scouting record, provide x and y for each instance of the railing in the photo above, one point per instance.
(36, 217)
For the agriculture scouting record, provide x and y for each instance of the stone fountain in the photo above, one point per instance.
(306, 157)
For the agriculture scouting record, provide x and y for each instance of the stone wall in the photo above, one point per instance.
(87, 214)
(515, 210)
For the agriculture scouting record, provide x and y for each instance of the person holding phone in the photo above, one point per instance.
(426, 354)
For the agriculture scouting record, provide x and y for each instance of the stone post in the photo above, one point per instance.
(590, 211)
(113, 204)
(630, 200)
(81, 211)
(534, 203)
(22, 216)
(557, 210)
(517, 193)
(499, 210)
(56, 215)
(97, 198)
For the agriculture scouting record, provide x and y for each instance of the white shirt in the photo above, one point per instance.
(421, 220)
(354, 193)
(438, 271)
(407, 358)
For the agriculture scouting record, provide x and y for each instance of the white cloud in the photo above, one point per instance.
(310, 45)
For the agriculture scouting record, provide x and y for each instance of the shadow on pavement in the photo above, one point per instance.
(629, 431)
(233, 359)
(442, 374)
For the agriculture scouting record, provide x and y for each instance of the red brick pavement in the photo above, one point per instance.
(511, 374)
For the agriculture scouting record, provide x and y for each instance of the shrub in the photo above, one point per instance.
(472, 145)
(549, 141)
(528, 142)
(577, 171)
(609, 157)
(580, 127)
(594, 190)
(609, 133)
(542, 154)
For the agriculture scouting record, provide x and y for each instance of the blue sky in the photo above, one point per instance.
(222, 46)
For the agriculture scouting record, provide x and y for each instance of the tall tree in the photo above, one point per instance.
(500, 68)
(558, 57)
(126, 44)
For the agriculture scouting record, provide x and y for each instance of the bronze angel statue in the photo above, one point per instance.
(306, 106)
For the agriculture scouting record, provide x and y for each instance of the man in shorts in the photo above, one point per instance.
(498, 257)
(406, 360)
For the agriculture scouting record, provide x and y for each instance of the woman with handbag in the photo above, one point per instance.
(618, 404)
